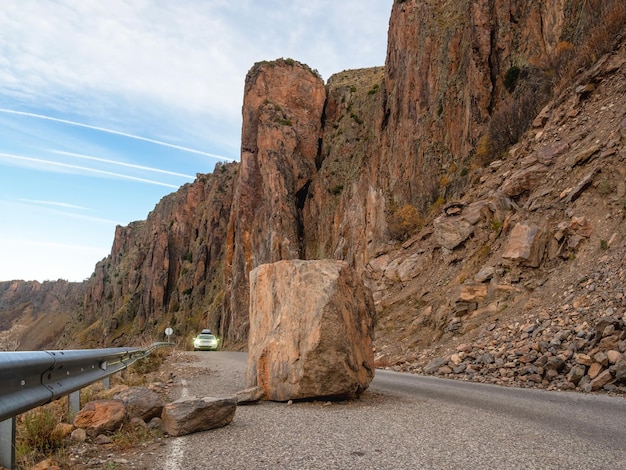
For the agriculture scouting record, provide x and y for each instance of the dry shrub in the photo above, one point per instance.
(514, 115)
(132, 435)
(403, 222)
(36, 437)
(150, 363)
(597, 27)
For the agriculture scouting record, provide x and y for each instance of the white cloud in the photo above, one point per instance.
(118, 59)
(124, 164)
(141, 82)
(53, 203)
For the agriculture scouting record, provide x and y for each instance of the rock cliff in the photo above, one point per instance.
(475, 182)
(164, 271)
(282, 119)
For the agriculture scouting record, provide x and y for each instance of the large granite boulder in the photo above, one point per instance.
(311, 330)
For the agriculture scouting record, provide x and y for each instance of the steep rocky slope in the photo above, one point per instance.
(522, 280)
(487, 263)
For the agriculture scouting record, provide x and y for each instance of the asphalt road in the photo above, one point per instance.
(403, 421)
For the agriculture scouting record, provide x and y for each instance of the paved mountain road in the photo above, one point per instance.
(402, 422)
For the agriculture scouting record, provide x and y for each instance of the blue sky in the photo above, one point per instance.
(107, 106)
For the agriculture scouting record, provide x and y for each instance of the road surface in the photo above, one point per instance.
(402, 421)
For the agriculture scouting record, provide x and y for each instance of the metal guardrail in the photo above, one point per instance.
(29, 379)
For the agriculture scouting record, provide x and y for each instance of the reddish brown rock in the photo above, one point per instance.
(101, 416)
(524, 180)
(550, 152)
(614, 356)
(47, 464)
(78, 435)
(526, 245)
(249, 395)
(311, 329)
(472, 293)
(282, 121)
(450, 232)
(594, 370)
(63, 430)
(344, 215)
(601, 380)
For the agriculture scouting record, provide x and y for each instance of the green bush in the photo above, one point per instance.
(511, 77)
(283, 121)
(336, 189)
(356, 118)
(374, 89)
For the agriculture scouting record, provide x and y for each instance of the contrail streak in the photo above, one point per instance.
(92, 170)
(114, 162)
(111, 131)
(53, 203)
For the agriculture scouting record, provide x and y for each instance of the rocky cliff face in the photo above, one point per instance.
(282, 119)
(444, 74)
(517, 282)
(404, 171)
(344, 213)
(164, 271)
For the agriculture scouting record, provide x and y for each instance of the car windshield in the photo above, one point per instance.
(206, 336)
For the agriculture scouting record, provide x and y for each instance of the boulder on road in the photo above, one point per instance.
(311, 331)
(189, 415)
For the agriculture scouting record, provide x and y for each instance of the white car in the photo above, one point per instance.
(205, 342)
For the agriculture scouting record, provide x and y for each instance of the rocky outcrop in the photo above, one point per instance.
(344, 214)
(311, 330)
(282, 118)
(444, 77)
(526, 244)
(550, 265)
(33, 314)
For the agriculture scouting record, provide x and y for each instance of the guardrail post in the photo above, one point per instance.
(73, 403)
(7, 443)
